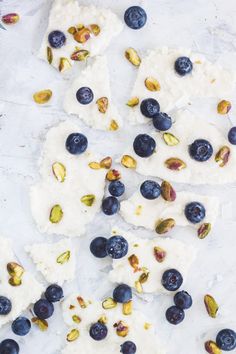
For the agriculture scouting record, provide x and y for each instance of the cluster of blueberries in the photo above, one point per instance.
(21, 326)
(111, 205)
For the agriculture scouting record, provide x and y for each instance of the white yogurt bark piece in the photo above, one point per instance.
(21, 296)
(67, 13)
(145, 339)
(96, 77)
(56, 261)
(80, 180)
(187, 128)
(205, 80)
(144, 212)
(178, 255)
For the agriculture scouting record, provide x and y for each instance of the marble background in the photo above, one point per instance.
(205, 26)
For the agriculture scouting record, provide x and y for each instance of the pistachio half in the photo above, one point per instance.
(88, 199)
(133, 57)
(152, 84)
(170, 139)
(42, 324)
(122, 328)
(138, 286)
(134, 262)
(64, 64)
(204, 230)
(59, 171)
(138, 210)
(222, 156)
(10, 19)
(72, 30)
(106, 162)
(223, 107)
(76, 319)
(128, 161)
(167, 191)
(73, 335)
(134, 101)
(159, 254)
(113, 125)
(144, 277)
(64, 257)
(95, 29)
(42, 97)
(102, 104)
(49, 55)
(109, 303)
(103, 319)
(15, 281)
(81, 302)
(164, 226)
(15, 270)
(211, 305)
(175, 164)
(113, 175)
(56, 214)
(212, 348)
(127, 308)
(94, 165)
(82, 35)
(80, 55)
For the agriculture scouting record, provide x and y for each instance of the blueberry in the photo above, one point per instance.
(128, 348)
(21, 326)
(201, 150)
(226, 339)
(5, 305)
(162, 121)
(110, 205)
(76, 143)
(183, 66)
(54, 293)
(172, 280)
(135, 17)
(9, 346)
(175, 315)
(116, 188)
(122, 293)
(195, 212)
(232, 136)
(84, 95)
(98, 247)
(56, 39)
(98, 331)
(150, 189)
(149, 107)
(117, 247)
(43, 309)
(144, 145)
(183, 300)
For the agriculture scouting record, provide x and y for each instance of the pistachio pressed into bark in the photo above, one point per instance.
(113, 125)
(223, 107)
(103, 319)
(211, 305)
(80, 55)
(170, 139)
(133, 57)
(204, 230)
(127, 308)
(81, 302)
(212, 348)
(122, 329)
(42, 324)
(10, 19)
(59, 171)
(159, 254)
(49, 55)
(64, 257)
(164, 226)
(94, 165)
(152, 84)
(15, 269)
(82, 35)
(56, 214)
(106, 162)
(102, 104)
(138, 286)
(222, 156)
(128, 161)
(76, 319)
(72, 335)
(113, 175)
(64, 64)
(95, 29)
(134, 262)
(138, 210)
(88, 199)
(42, 97)
(175, 164)
(134, 101)
(167, 191)
(109, 303)
(72, 30)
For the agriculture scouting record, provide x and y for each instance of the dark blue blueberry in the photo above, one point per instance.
(122, 293)
(76, 143)
(195, 212)
(117, 247)
(54, 293)
(175, 315)
(110, 205)
(116, 188)
(183, 300)
(201, 150)
(21, 326)
(150, 189)
(226, 340)
(56, 39)
(149, 107)
(9, 346)
(98, 331)
(172, 280)
(98, 247)
(128, 348)
(135, 17)
(84, 95)
(144, 145)
(232, 136)
(183, 66)
(5, 305)
(43, 309)
(162, 121)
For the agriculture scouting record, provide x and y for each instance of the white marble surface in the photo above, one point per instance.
(207, 26)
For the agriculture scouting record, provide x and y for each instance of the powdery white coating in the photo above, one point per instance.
(179, 256)
(45, 256)
(67, 13)
(205, 80)
(80, 180)
(96, 77)
(20, 296)
(187, 128)
(143, 212)
(145, 339)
